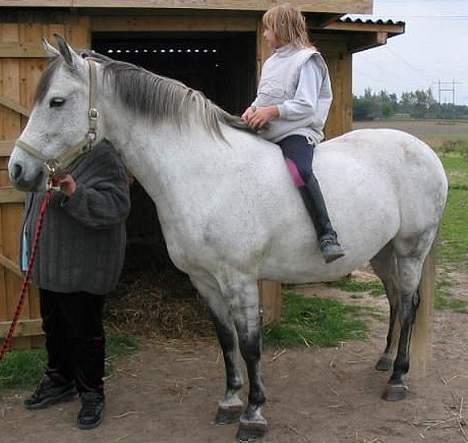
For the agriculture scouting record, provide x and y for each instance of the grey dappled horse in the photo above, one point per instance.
(228, 208)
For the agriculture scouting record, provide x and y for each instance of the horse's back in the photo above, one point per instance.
(409, 166)
(378, 184)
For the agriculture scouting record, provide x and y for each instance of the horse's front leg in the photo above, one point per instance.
(230, 408)
(245, 309)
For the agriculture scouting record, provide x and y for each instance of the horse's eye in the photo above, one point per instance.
(56, 102)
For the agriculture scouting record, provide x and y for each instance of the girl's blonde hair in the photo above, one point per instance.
(288, 24)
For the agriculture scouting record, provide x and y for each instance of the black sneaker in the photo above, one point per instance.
(49, 392)
(92, 410)
(331, 249)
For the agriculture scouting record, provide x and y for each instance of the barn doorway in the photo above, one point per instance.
(222, 65)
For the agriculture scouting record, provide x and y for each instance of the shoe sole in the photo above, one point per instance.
(66, 396)
(333, 257)
(91, 426)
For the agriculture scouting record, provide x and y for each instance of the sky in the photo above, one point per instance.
(434, 47)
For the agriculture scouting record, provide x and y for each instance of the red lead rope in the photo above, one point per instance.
(6, 346)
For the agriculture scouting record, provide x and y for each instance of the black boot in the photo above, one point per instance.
(53, 388)
(315, 205)
(92, 410)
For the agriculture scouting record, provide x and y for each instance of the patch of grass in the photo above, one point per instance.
(456, 168)
(23, 369)
(315, 321)
(444, 301)
(374, 287)
(118, 346)
(454, 233)
(453, 243)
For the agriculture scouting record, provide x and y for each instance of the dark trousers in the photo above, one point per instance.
(75, 339)
(297, 149)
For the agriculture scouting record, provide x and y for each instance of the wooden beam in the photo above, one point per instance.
(10, 265)
(343, 6)
(24, 328)
(11, 195)
(10, 104)
(6, 146)
(21, 50)
(366, 27)
(367, 41)
(172, 24)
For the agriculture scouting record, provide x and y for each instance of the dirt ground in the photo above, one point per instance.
(168, 393)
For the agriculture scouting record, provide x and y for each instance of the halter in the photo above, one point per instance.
(72, 153)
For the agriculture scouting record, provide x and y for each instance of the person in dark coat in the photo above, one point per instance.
(79, 260)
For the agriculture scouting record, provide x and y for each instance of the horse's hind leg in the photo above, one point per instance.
(411, 253)
(230, 408)
(385, 266)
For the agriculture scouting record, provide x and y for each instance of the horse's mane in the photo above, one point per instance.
(160, 98)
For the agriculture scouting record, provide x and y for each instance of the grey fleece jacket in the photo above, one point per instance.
(298, 82)
(82, 245)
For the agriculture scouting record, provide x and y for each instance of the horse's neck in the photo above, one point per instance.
(161, 156)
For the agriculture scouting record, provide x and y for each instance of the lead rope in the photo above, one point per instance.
(6, 346)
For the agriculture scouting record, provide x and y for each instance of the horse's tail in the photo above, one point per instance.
(421, 342)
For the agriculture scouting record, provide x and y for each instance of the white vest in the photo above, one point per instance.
(278, 83)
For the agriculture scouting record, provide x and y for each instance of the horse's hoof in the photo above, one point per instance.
(395, 392)
(384, 364)
(227, 416)
(251, 431)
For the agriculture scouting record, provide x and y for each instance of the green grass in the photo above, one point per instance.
(444, 301)
(454, 232)
(23, 369)
(316, 321)
(373, 287)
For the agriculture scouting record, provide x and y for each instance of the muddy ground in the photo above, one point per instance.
(168, 393)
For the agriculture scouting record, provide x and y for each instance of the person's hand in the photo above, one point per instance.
(261, 116)
(67, 185)
(248, 114)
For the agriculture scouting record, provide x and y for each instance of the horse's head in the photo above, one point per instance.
(62, 123)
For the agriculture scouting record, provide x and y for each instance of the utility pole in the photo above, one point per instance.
(447, 87)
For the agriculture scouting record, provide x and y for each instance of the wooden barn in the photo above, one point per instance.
(212, 45)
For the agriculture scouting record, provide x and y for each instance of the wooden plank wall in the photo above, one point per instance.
(21, 64)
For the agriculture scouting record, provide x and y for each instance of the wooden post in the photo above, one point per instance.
(270, 291)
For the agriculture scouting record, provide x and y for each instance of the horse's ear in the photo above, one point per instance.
(66, 51)
(49, 49)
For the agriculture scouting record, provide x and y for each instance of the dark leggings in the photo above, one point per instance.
(75, 339)
(297, 149)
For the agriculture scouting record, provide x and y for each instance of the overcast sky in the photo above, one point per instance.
(434, 47)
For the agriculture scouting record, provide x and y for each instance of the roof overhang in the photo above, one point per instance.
(364, 32)
(324, 6)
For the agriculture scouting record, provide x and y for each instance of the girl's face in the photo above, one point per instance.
(270, 37)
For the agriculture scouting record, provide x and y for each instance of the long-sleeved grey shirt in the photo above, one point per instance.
(297, 81)
(82, 245)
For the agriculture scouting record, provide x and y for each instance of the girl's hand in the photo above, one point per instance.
(248, 114)
(261, 116)
(67, 185)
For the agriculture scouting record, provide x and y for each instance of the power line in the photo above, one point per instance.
(419, 71)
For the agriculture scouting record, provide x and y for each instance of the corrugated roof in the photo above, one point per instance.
(369, 20)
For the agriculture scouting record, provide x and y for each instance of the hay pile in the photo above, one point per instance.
(157, 303)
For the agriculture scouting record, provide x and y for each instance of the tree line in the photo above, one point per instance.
(415, 104)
